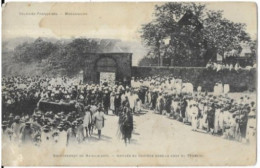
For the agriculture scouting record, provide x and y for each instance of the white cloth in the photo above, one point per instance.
(112, 102)
(194, 117)
(189, 88)
(216, 123)
(178, 86)
(132, 100)
(87, 119)
(226, 88)
(199, 89)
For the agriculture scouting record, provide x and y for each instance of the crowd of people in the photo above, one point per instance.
(225, 66)
(216, 113)
(26, 120)
(81, 108)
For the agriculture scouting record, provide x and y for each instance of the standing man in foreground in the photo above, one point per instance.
(99, 120)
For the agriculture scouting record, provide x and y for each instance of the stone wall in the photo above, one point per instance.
(122, 69)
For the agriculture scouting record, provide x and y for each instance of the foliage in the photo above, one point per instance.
(223, 34)
(36, 51)
(189, 40)
(62, 56)
(253, 48)
(71, 56)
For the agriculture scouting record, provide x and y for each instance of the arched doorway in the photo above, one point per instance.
(106, 69)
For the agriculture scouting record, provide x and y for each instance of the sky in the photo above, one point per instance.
(101, 20)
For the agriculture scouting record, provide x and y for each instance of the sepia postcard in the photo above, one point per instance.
(129, 84)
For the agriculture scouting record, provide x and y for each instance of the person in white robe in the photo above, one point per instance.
(123, 98)
(226, 88)
(199, 89)
(189, 87)
(231, 67)
(220, 88)
(132, 100)
(215, 90)
(184, 88)
(194, 117)
(112, 101)
(133, 83)
(138, 107)
(219, 67)
(237, 66)
(178, 86)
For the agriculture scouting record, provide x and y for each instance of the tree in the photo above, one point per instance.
(23, 52)
(192, 30)
(223, 34)
(36, 51)
(253, 48)
(183, 38)
(152, 36)
(72, 56)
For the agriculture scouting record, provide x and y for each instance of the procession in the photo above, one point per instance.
(25, 119)
(81, 109)
(129, 84)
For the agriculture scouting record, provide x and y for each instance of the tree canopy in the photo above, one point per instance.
(66, 56)
(184, 31)
(36, 51)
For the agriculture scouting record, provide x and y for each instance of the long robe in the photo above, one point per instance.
(216, 121)
(194, 117)
(112, 102)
